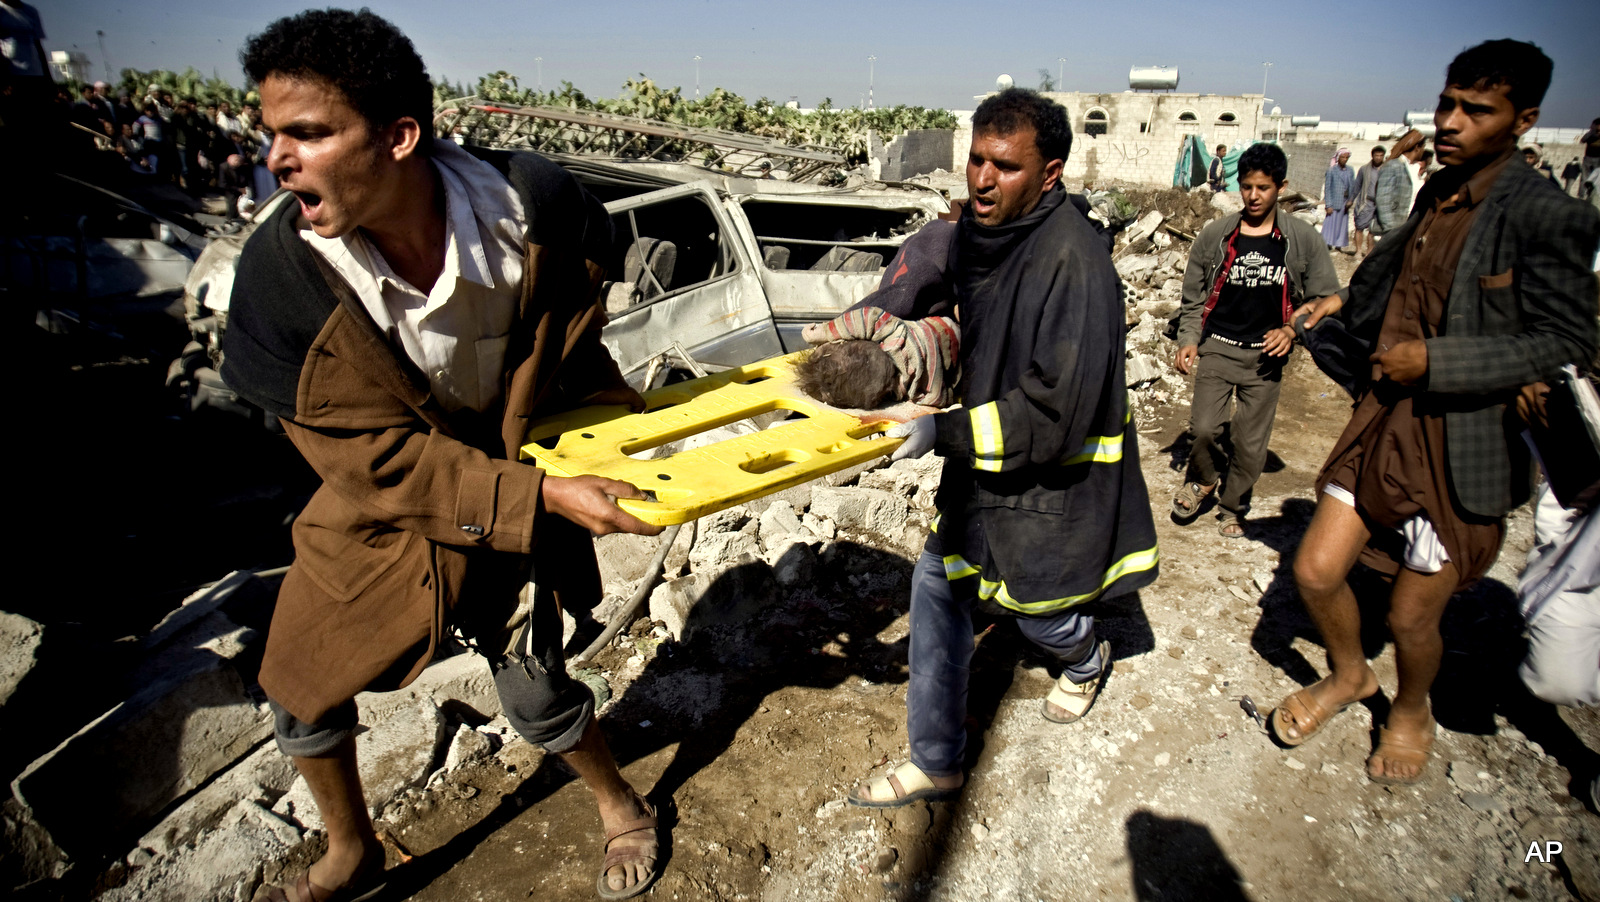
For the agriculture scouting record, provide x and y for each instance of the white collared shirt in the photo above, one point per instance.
(456, 333)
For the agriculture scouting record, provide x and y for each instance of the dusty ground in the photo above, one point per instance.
(753, 734)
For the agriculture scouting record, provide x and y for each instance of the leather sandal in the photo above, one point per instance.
(630, 855)
(1186, 503)
(1402, 748)
(303, 890)
(1309, 716)
(1076, 698)
(904, 785)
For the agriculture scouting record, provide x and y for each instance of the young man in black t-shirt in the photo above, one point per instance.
(1247, 272)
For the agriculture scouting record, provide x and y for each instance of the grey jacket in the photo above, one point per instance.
(1394, 196)
(1310, 273)
(1523, 304)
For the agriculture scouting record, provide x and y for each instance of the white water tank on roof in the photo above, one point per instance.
(1419, 117)
(1305, 121)
(1003, 83)
(1153, 78)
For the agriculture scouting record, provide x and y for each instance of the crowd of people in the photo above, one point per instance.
(203, 148)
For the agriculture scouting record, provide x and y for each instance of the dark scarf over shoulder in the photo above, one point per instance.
(980, 248)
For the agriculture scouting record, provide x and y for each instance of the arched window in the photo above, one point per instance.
(1095, 122)
(1187, 116)
(1227, 116)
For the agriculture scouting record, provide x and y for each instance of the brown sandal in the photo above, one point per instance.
(1402, 748)
(1309, 716)
(303, 890)
(630, 854)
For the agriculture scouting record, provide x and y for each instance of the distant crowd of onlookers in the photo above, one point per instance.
(202, 148)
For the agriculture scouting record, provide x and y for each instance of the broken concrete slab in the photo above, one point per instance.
(778, 523)
(19, 651)
(262, 775)
(861, 510)
(397, 750)
(1142, 368)
(720, 550)
(1136, 267)
(107, 781)
(1228, 202)
(225, 864)
(724, 595)
(466, 746)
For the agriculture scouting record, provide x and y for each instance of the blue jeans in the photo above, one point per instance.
(941, 659)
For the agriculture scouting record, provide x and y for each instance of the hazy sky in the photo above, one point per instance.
(1353, 61)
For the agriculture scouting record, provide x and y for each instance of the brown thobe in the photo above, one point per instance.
(1391, 456)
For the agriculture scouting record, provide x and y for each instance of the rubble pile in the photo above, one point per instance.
(1150, 256)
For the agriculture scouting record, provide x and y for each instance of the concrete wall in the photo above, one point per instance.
(915, 152)
(1143, 133)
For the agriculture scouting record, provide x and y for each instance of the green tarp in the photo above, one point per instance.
(1194, 162)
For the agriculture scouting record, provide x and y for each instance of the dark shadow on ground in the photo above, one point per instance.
(755, 639)
(1175, 860)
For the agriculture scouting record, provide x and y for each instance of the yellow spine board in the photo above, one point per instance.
(603, 441)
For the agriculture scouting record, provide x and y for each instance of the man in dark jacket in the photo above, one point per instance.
(403, 320)
(1042, 503)
(1246, 274)
(1485, 289)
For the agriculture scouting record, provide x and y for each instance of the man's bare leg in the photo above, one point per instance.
(1415, 608)
(1327, 552)
(353, 846)
(591, 759)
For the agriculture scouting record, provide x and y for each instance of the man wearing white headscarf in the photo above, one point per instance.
(1338, 189)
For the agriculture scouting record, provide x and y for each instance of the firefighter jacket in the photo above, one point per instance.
(1041, 497)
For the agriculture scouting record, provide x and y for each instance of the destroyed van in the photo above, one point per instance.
(706, 271)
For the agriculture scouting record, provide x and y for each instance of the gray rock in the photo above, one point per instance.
(793, 562)
(732, 519)
(892, 480)
(1136, 267)
(264, 772)
(1142, 368)
(466, 746)
(861, 510)
(778, 524)
(224, 865)
(1227, 202)
(19, 651)
(122, 769)
(720, 550)
(820, 527)
(728, 595)
(1482, 801)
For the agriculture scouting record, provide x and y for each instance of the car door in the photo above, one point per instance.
(679, 272)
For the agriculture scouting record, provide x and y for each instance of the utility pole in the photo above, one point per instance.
(539, 62)
(105, 61)
(697, 77)
(1264, 67)
(872, 64)
(1061, 73)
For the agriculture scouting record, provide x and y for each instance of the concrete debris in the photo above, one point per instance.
(1142, 368)
(1228, 202)
(225, 863)
(1136, 267)
(861, 510)
(778, 524)
(1144, 227)
(19, 651)
(122, 769)
(466, 746)
(265, 774)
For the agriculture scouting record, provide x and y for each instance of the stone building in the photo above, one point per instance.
(1135, 136)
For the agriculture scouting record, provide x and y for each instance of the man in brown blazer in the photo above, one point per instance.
(403, 319)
